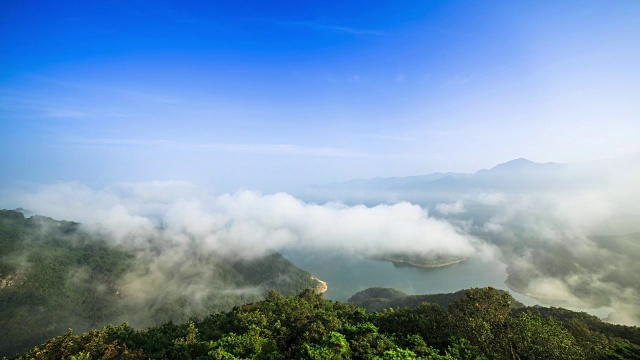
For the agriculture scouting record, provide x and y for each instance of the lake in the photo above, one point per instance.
(346, 274)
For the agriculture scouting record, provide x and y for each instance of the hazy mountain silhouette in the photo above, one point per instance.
(518, 175)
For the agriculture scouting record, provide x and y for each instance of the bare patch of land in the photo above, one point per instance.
(322, 285)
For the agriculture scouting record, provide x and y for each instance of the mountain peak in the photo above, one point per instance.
(516, 164)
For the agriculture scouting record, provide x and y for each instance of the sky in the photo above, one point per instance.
(271, 96)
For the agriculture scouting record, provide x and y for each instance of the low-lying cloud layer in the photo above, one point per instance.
(568, 234)
(246, 223)
(571, 249)
(183, 237)
(574, 241)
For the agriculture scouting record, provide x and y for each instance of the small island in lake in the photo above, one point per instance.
(421, 260)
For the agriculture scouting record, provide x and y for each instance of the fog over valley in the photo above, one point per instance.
(573, 242)
(567, 232)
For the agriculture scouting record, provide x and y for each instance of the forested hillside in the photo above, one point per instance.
(479, 325)
(57, 275)
(54, 276)
(378, 299)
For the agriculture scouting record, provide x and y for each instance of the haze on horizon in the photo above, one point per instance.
(271, 96)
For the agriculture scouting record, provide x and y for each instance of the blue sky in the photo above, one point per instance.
(274, 95)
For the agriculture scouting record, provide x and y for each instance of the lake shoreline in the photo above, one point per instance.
(424, 266)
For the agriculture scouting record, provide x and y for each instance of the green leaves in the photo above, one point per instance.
(478, 326)
(534, 337)
(334, 346)
(54, 275)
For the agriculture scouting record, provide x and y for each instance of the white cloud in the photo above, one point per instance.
(331, 28)
(451, 209)
(179, 233)
(65, 114)
(491, 199)
(249, 148)
(246, 222)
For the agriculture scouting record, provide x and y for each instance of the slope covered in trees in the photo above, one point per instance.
(378, 299)
(54, 275)
(479, 325)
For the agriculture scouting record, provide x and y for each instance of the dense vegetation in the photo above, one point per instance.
(55, 276)
(479, 325)
(51, 280)
(377, 299)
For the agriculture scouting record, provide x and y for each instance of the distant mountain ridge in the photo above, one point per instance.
(518, 175)
(452, 180)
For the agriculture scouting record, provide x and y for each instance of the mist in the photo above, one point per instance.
(244, 223)
(180, 234)
(569, 233)
(571, 248)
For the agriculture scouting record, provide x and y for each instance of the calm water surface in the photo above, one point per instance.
(347, 274)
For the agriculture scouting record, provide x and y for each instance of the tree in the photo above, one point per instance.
(534, 337)
(481, 316)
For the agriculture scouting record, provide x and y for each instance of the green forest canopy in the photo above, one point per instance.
(55, 276)
(38, 302)
(480, 325)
